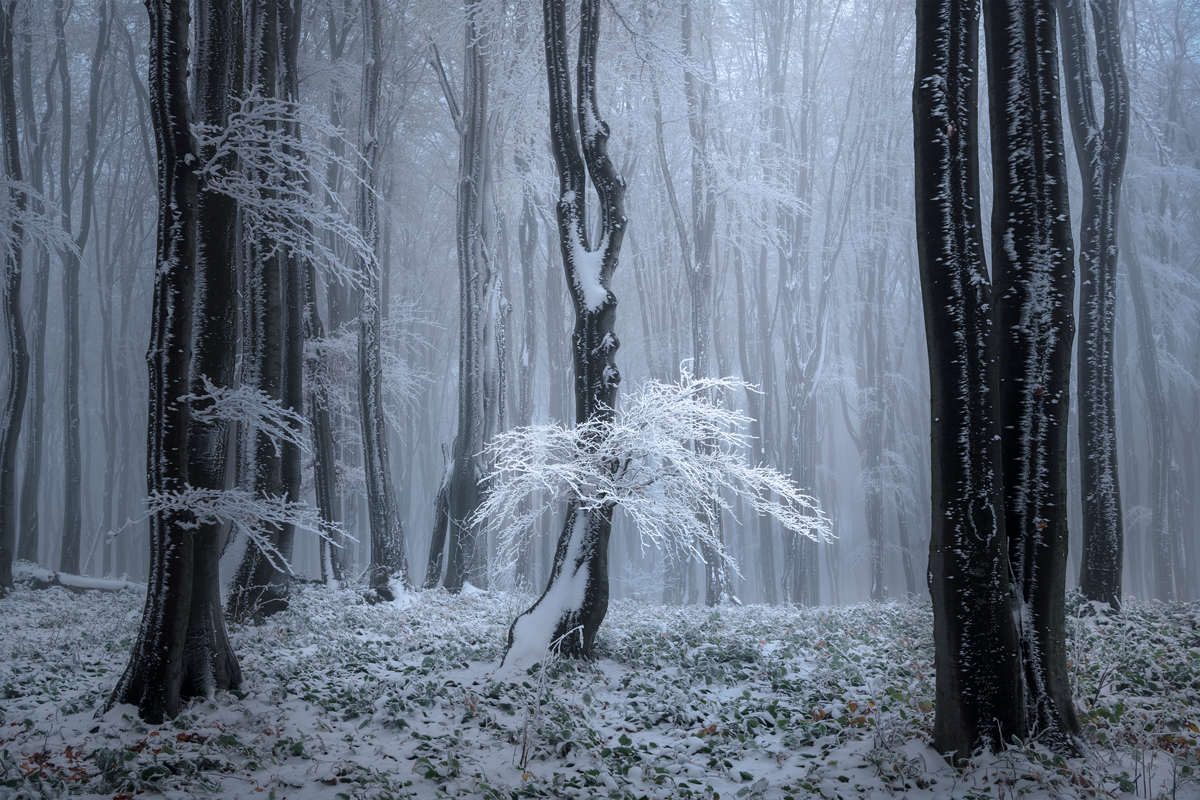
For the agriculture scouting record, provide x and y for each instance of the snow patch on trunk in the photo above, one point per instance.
(532, 632)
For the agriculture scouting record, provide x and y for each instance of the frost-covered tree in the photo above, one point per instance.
(480, 311)
(576, 596)
(388, 560)
(69, 560)
(14, 329)
(152, 679)
(642, 460)
(999, 354)
(1100, 149)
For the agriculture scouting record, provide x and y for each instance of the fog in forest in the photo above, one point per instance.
(766, 147)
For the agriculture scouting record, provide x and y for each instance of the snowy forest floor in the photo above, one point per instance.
(346, 700)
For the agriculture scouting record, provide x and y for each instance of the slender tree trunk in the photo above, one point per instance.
(37, 137)
(72, 457)
(14, 328)
(1100, 150)
(257, 586)
(153, 678)
(569, 612)
(292, 263)
(388, 559)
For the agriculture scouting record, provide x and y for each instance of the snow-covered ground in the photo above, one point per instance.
(342, 699)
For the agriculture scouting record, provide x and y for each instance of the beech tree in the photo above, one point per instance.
(388, 560)
(1100, 149)
(152, 680)
(576, 596)
(999, 350)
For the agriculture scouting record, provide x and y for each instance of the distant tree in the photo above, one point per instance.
(72, 257)
(14, 328)
(388, 560)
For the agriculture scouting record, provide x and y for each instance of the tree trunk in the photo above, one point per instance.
(72, 459)
(388, 559)
(14, 328)
(38, 137)
(569, 612)
(257, 586)
(1034, 279)
(152, 679)
(209, 660)
(979, 683)
(480, 370)
(1100, 150)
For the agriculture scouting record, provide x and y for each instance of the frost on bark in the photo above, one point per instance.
(576, 596)
(209, 660)
(979, 686)
(14, 328)
(1100, 147)
(1034, 284)
(481, 357)
(387, 536)
(999, 355)
(257, 587)
(152, 679)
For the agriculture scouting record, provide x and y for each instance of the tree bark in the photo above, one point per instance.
(979, 683)
(1100, 150)
(564, 617)
(152, 679)
(1034, 279)
(257, 586)
(209, 660)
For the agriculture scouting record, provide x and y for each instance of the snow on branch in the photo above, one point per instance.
(251, 513)
(247, 404)
(645, 462)
(273, 177)
(40, 221)
(333, 361)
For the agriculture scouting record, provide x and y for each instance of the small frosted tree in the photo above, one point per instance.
(641, 460)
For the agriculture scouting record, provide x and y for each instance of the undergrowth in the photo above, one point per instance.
(344, 699)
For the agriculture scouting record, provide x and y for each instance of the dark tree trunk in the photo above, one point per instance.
(14, 329)
(294, 276)
(72, 459)
(977, 654)
(1034, 279)
(1100, 149)
(209, 660)
(257, 586)
(152, 679)
(564, 617)
(387, 536)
